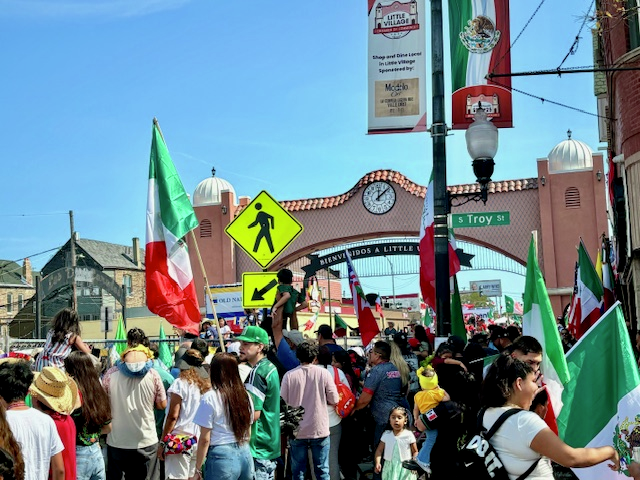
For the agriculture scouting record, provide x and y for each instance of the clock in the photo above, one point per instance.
(379, 197)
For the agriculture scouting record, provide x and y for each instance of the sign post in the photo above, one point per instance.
(106, 315)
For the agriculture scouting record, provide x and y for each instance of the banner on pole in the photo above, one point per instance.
(479, 43)
(397, 50)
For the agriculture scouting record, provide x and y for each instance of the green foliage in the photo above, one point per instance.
(476, 299)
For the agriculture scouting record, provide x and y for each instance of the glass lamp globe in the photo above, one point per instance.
(482, 136)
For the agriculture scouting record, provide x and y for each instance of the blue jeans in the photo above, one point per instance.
(90, 463)
(230, 461)
(319, 453)
(424, 455)
(264, 469)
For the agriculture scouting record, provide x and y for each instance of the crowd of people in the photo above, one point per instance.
(276, 404)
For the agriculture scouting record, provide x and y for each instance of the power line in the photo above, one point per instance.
(28, 256)
(574, 46)
(34, 214)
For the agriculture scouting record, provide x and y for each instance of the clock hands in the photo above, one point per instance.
(379, 196)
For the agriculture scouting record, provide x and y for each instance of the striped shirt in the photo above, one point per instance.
(53, 354)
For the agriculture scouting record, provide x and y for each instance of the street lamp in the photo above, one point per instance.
(482, 143)
(393, 283)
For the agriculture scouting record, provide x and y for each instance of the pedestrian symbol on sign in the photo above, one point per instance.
(263, 229)
(266, 224)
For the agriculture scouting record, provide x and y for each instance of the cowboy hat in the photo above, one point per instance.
(55, 389)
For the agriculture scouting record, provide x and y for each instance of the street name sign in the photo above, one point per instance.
(479, 219)
(259, 289)
(264, 229)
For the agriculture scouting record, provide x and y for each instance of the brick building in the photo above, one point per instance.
(617, 45)
(16, 288)
(124, 264)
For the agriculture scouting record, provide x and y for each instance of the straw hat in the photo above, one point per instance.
(55, 389)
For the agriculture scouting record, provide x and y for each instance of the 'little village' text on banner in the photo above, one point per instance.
(397, 50)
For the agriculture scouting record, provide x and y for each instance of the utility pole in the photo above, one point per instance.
(72, 244)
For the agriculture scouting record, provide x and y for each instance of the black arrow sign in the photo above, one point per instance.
(259, 294)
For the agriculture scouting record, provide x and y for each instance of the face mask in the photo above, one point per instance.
(135, 366)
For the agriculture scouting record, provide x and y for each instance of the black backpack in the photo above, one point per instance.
(479, 460)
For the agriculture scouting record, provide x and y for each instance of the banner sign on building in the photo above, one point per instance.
(228, 300)
(397, 71)
(479, 43)
(488, 288)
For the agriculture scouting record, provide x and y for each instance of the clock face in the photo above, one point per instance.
(379, 197)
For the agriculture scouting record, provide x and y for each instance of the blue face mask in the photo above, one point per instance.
(135, 369)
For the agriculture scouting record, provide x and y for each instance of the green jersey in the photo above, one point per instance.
(263, 383)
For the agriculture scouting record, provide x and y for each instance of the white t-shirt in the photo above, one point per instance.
(190, 395)
(38, 438)
(212, 413)
(512, 441)
(404, 440)
(334, 418)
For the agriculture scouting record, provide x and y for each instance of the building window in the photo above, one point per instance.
(126, 281)
(20, 301)
(634, 24)
(205, 228)
(572, 198)
(9, 302)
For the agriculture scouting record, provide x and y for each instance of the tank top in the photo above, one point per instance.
(53, 354)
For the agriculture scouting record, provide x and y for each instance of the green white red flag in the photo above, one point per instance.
(341, 326)
(457, 319)
(427, 250)
(588, 301)
(607, 280)
(366, 321)
(540, 323)
(602, 398)
(480, 42)
(171, 292)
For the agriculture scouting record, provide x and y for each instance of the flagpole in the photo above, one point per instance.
(204, 273)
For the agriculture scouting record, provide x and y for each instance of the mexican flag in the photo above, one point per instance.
(607, 281)
(602, 399)
(508, 303)
(427, 250)
(539, 322)
(588, 301)
(341, 326)
(479, 44)
(457, 320)
(366, 321)
(171, 292)
(311, 322)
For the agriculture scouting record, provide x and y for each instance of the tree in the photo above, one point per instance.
(476, 299)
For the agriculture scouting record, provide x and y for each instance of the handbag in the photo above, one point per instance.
(347, 401)
(176, 443)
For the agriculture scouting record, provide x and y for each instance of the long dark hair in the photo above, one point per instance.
(9, 443)
(497, 386)
(226, 379)
(66, 321)
(344, 359)
(96, 408)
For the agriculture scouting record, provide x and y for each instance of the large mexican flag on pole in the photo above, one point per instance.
(602, 398)
(171, 292)
(540, 322)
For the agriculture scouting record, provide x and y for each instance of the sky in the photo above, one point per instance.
(273, 95)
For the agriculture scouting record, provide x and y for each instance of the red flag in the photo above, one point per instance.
(379, 306)
(427, 250)
(366, 321)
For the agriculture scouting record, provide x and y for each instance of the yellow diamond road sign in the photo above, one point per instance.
(264, 229)
(259, 289)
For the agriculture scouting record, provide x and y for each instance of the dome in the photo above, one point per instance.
(569, 155)
(209, 191)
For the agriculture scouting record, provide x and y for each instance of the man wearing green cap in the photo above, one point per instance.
(263, 384)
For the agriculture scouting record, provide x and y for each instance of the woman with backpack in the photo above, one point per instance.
(524, 443)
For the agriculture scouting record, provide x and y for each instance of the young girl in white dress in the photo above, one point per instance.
(398, 444)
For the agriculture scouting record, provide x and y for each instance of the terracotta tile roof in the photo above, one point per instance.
(403, 182)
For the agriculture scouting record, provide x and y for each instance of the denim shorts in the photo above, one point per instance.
(90, 462)
(230, 461)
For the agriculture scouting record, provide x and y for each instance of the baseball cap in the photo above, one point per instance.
(254, 334)
(325, 331)
(294, 335)
(400, 338)
(499, 332)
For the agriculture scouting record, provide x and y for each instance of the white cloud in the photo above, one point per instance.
(86, 8)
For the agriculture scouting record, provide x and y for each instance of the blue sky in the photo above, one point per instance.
(274, 95)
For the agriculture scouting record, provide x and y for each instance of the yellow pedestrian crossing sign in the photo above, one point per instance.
(259, 289)
(264, 229)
